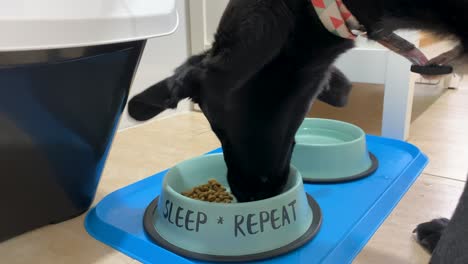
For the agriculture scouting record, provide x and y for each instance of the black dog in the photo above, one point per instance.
(269, 61)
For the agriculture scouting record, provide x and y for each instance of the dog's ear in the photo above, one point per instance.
(336, 92)
(185, 83)
(151, 102)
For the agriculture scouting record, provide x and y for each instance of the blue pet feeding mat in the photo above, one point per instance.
(352, 211)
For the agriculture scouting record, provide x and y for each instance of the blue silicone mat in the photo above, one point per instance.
(352, 211)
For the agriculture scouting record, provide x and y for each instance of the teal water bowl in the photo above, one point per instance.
(330, 151)
(236, 232)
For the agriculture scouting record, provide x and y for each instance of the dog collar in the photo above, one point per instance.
(336, 17)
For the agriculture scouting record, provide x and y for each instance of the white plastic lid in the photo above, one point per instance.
(50, 24)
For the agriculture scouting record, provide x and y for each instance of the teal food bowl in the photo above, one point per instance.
(330, 151)
(235, 232)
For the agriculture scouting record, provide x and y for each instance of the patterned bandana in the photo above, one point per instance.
(337, 18)
(339, 21)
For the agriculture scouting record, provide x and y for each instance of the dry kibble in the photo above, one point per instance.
(212, 192)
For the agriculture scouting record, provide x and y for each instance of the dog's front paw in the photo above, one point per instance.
(428, 234)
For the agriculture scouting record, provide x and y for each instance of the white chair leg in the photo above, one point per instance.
(398, 98)
(453, 82)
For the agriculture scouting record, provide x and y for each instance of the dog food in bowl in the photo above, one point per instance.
(212, 192)
(235, 232)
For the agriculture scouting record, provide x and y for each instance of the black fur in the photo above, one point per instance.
(428, 234)
(269, 61)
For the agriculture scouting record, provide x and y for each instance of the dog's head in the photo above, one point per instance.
(255, 123)
(256, 93)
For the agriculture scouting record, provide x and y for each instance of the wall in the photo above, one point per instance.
(205, 17)
(160, 58)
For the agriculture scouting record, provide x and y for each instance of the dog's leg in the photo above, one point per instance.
(453, 245)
